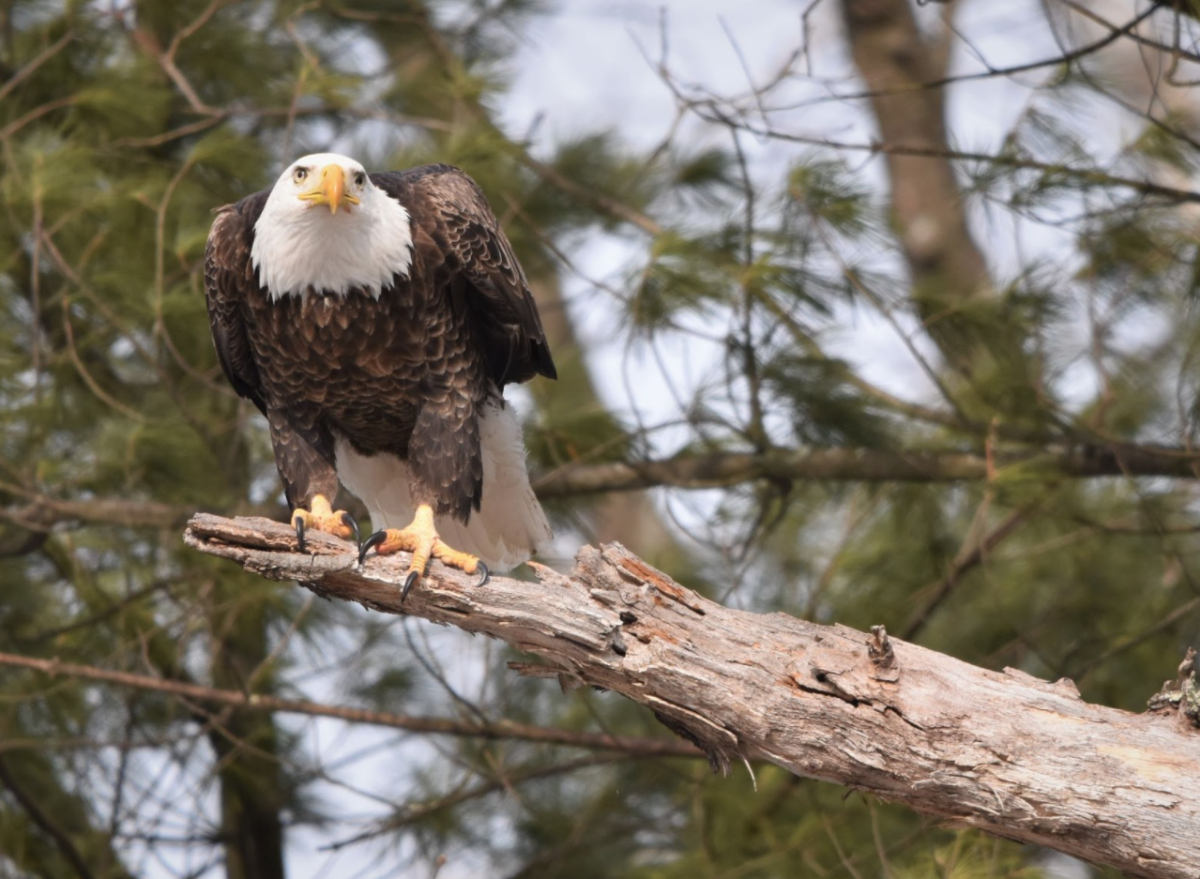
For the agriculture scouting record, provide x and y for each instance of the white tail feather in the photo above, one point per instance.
(506, 530)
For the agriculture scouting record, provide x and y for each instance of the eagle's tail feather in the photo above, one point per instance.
(510, 524)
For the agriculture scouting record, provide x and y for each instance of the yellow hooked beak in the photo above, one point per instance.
(330, 190)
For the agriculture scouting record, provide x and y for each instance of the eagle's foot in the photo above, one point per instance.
(421, 539)
(323, 517)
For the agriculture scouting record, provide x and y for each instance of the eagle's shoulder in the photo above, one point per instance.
(448, 209)
(445, 179)
(228, 275)
(440, 200)
(233, 226)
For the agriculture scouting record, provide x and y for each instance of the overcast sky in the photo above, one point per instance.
(586, 68)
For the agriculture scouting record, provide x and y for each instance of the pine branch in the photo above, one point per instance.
(1006, 753)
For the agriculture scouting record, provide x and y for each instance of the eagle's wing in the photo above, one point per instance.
(447, 205)
(227, 273)
(303, 447)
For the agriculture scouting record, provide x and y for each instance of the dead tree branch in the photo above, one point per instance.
(1003, 752)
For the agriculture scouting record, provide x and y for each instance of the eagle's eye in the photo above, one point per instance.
(360, 178)
(299, 174)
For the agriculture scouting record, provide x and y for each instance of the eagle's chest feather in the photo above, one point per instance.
(369, 363)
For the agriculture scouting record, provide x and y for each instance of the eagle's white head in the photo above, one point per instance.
(328, 228)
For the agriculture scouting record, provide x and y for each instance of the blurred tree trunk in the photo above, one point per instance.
(901, 69)
(245, 742)
(904, 73)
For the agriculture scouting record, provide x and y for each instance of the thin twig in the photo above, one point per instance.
(34, 63)
(500, 729)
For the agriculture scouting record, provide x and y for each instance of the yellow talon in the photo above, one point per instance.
(323, 517)
(420, 538)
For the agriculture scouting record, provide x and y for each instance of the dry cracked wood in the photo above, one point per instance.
(1004, 752)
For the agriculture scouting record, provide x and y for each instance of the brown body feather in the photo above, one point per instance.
(405, 373)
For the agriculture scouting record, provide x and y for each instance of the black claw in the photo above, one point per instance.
(298, 523)
(484, 573)
(349, 522)
(411, 579)
(370, 543)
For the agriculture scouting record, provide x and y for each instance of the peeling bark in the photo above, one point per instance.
(1004, 752)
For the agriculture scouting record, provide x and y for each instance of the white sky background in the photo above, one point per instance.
(580, 71)
(585, 69)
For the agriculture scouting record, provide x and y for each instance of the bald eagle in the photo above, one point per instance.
(374, 319)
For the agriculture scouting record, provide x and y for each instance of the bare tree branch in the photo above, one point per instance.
(1002, 752)
(603, 203)
(499, 729)
(45, 512)
(34, 63)
(968, 558)
(723, 469)
(700, 471)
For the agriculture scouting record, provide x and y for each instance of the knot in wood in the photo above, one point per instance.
(1181, 695)
(879, 648)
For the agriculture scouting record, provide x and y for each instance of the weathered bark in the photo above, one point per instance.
(1003, 752)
